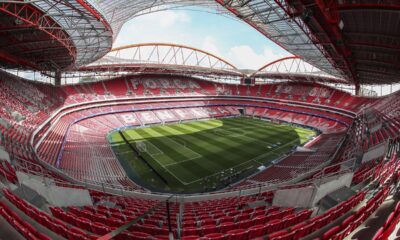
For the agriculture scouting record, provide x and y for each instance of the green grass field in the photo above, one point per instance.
(202, 155)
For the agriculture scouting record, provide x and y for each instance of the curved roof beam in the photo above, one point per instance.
(162, 54)
(285, 26)
(296, 69)
(84, 23)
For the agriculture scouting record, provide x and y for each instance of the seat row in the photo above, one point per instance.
(353, 221)
(53, 224)
(390, 224)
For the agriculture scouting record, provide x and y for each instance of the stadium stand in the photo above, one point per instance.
(75, 117)
(68, 132)
(73, 132)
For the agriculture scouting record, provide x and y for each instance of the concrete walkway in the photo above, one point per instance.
(377, 219)
(8, 232)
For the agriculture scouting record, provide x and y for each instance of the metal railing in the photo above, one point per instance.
(124, 227)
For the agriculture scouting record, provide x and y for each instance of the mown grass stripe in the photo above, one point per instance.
(240, 146)
(223, 144)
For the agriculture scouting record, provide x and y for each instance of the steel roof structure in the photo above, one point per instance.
(372, 34)
(358, 40)
(162, 58)
(281, 23)
(355, 41)
(52, 35)
(295, 69)
(165, 58)
(118, 12)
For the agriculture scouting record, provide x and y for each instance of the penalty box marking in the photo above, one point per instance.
(154, 156)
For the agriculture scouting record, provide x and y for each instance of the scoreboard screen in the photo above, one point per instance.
(248, 81)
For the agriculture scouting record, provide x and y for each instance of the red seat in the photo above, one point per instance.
(304, 214)
(328, 234)
(286, 236)
(208, 221)
(298, 226)
(192, 237)
(60, 230)
(140, 235)
(42, 236)
(342, 234)
(214, 236)
(242, 217)
(87, 214)
(389, 220)
(209, 229)
(245, 224)
(257, 231)
(321, 222)
(161, 237)
(114, 222)
(190, 223)
(84, 223)
(77, 230)
(274, 225)
(187, 231)
(100, 229)
(303, 231)
(125, 236)
(76, 236)
(260, 220)
(238, 234)
(277, 234)
(100, 218)
(226, 219)
(348, 221)
(397, 208)
(70, 218)
(258, 213)
(227, 226)
(357, 222)
(289, 221)
(378, 234)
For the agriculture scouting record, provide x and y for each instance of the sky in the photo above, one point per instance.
(225, 37)
(230, 39)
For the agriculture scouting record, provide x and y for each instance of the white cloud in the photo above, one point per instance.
(244, 56)
(209, 44)
(165, 26)
(172, 27)
(169, 18)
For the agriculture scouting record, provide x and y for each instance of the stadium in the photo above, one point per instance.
(169, 141)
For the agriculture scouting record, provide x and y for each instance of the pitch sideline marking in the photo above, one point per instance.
(250, 160)
(164, 166)
(166, 169)
(155, 147)
(199, 155)
(255, 159)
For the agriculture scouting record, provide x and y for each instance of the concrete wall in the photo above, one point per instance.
(55, 195)
(308, 197)
(375, 128)
(374, 152)
(330, 185)
(4, 154)
(296, 197)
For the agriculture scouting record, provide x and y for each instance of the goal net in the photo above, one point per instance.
(141, 146)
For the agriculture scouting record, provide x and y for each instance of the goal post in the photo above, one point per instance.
(141, 146)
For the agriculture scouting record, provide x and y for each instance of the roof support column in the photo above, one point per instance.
(57, 78)
(357, 93)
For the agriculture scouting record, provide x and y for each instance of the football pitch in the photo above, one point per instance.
(202, 156)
